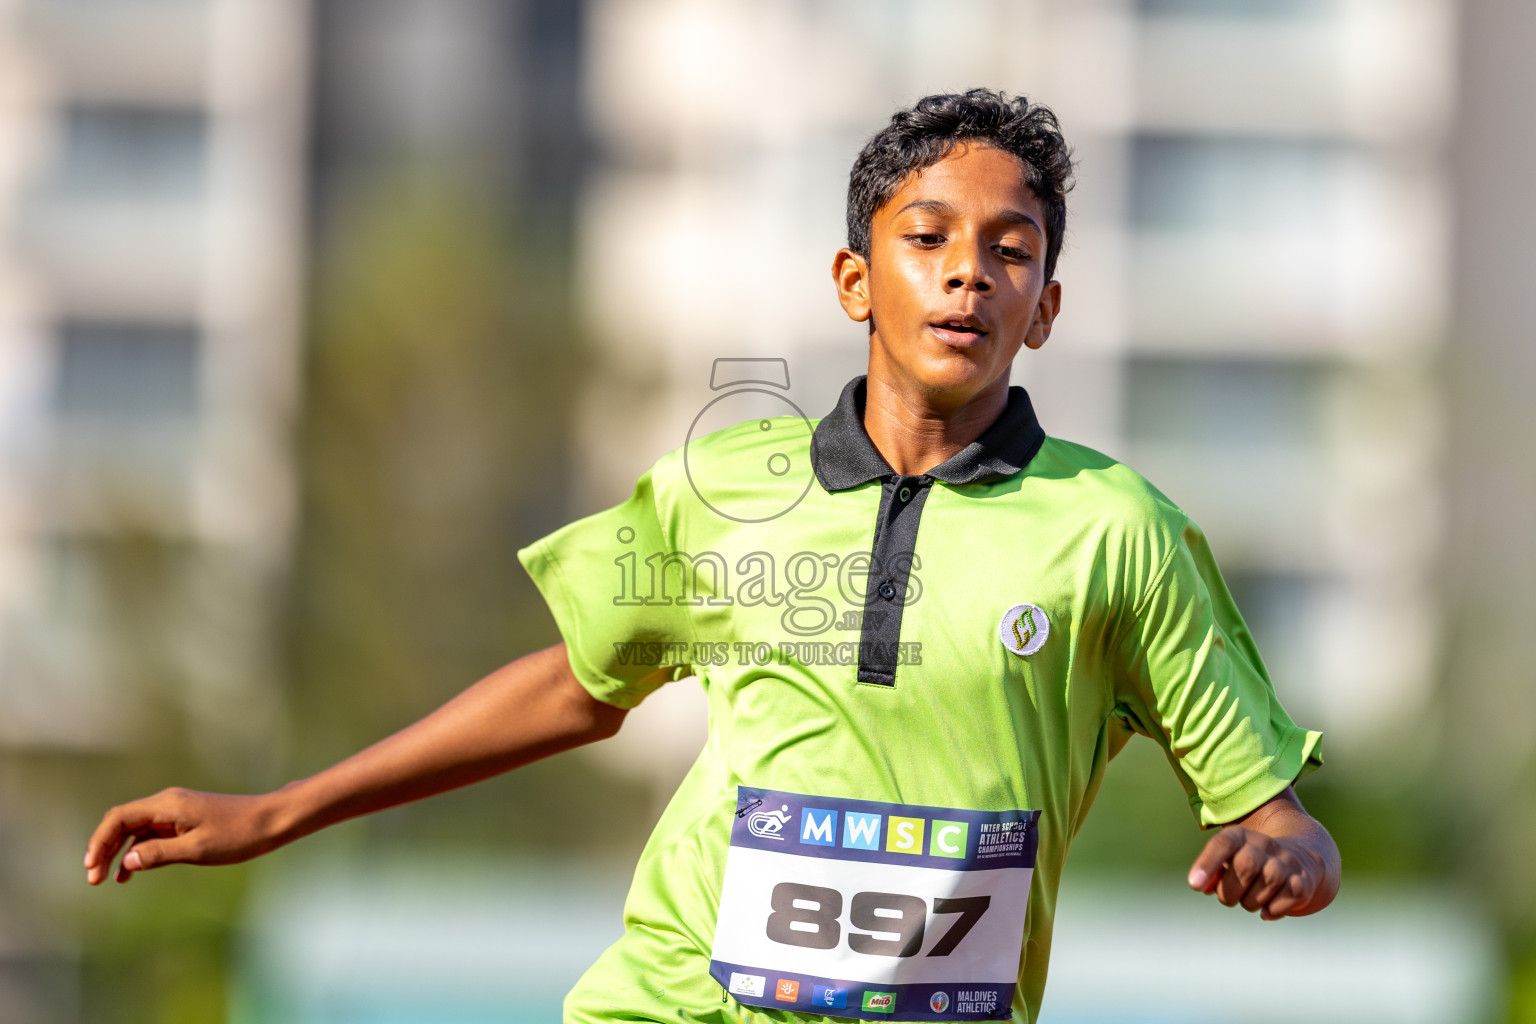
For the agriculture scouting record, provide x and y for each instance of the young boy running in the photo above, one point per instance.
(877, 824)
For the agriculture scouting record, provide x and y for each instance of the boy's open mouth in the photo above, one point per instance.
(960, 329)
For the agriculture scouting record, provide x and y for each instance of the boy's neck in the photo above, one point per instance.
(916, 430)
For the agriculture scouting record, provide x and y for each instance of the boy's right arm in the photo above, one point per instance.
(520, 713)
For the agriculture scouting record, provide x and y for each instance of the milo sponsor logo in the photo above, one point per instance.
(880, 1002)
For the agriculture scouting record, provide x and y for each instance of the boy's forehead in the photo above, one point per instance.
(972, 176)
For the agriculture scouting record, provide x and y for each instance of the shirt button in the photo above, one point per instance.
(887, 590)
(906, 492)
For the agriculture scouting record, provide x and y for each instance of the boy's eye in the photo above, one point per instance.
(926, 239)
(1011, 252)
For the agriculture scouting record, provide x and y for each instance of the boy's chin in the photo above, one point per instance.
(955, 376)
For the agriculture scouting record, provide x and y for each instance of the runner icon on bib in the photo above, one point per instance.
(874, 911)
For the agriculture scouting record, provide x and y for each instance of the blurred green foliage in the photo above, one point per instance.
(158, 949)
(443, 370)
(153, 951)
(1522, 984)
(440, 368)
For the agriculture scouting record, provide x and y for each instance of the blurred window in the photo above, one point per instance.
(128, 371)
(97, 623)
(113, 5)
(93, 577)
(1226, 401)
(1282, 609)
(1195, 182)
(1275, 604)
(1235, 8)
(132, 151)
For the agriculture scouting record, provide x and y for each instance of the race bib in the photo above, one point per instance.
(874, 911)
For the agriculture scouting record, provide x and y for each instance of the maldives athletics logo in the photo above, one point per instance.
(938, 1002)
(1023, 629)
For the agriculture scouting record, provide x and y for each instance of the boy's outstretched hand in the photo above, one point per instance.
(529, 709)
(1278, 861)
(179, 826)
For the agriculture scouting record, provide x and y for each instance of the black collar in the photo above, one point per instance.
(844, 456)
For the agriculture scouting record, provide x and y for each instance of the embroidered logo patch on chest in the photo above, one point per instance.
(1024, 629)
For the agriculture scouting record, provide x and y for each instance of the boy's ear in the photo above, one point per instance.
(1045, 315)
(850, 272)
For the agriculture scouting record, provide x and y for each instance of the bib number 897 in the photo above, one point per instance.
(807, 915)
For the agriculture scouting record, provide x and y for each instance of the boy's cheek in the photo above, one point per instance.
(897, 306)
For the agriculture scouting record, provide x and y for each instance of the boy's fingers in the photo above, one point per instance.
(161, 814)
(122, 873)
(1256, 871)
(1274, 875)
(1292, 896)
(106, 835)
(153, 853)
(1207, 869)
(116, 826)
(1236, 880)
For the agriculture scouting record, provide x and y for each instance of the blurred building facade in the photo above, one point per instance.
(1255, 275)
(1487, 742)
(151, 254)
(481, 91)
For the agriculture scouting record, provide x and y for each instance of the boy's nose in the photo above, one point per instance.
(967, 270)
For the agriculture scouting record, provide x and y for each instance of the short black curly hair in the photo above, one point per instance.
(925, 133)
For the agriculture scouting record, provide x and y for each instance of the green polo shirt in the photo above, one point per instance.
(985, 636)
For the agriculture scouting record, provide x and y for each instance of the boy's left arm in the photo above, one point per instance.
(1277, 860)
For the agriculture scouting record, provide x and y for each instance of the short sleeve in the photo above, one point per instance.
(1192, 679)
(623, 642)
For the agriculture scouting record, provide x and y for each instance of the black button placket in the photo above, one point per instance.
(885, 595)
(845, 458)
